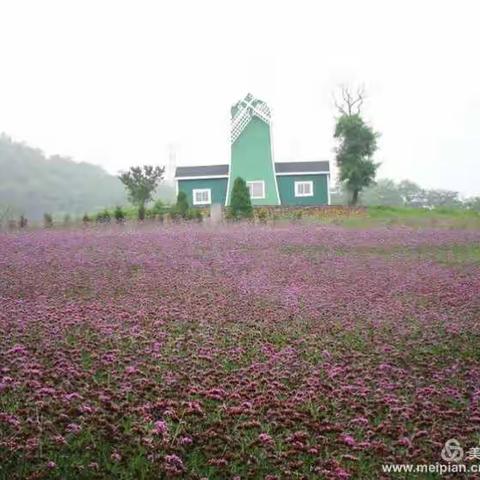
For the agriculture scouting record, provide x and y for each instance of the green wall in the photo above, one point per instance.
(286, 188)
(251, 159)
(218, 187)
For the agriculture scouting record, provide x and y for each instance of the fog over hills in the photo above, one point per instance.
(33, 184)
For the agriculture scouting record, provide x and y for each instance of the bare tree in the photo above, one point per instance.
(350, 103)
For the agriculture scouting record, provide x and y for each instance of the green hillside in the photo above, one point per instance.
(32, 184)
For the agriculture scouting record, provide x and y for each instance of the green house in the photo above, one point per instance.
(270, 183)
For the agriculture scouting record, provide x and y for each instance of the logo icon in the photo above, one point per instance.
(452, 451)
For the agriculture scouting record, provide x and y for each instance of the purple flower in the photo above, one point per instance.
(160, 427)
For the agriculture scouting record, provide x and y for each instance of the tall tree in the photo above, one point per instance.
(141, 183)
(240, 203)
(357, 142)
(182, 208)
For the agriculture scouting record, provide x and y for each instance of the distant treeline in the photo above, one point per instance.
(407, 194)
(32, 184)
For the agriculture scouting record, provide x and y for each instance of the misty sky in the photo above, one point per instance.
(116, 82)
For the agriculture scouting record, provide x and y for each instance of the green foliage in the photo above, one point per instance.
(36, 183)
(473, 203)
(240, 203)
(441, 217)
(181, 208)
(196, 214)
(103, 217)
(297, 215)
(159, 208)
(406, 193)
(262, 215)
(411, 193)
(382, 192)
(141, 183)
(119, 214)
(357, 144)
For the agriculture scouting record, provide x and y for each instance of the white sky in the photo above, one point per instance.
(115, 82)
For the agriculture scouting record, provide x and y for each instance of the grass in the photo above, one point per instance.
(417, 217)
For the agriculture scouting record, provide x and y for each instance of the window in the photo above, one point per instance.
(256, 189)
(201, 196)
(304, 189)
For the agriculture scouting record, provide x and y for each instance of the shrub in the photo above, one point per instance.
(240, 203)
(119, 214)
(103, 217)
(196, 214)
(297, 215)
(262, 215)
(181, 208)
(159, 208)
(150, 214)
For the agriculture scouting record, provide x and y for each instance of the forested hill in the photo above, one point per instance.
(33, 184)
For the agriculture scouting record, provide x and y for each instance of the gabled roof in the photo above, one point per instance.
(298, 167)
(202, 171)
(280, 168)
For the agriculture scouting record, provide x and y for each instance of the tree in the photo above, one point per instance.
(141, 183)
(442, 198)
(181, 207)
(413, 195)
(383, 192)
(473, 203)
(357, 144)
(240, 203)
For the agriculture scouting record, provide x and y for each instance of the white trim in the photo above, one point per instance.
(303, 182)
(273, 161)
(329, 200)
(263, 187)
(202, 190)
(303, 173)
(201, 177)
(228, 181)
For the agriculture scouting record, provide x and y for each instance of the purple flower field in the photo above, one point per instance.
(235, 353)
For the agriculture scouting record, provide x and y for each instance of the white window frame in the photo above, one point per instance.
(303, 182)
(202, 190)
(263, 189)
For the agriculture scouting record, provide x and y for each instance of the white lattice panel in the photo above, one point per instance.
(246, 109)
